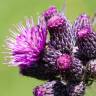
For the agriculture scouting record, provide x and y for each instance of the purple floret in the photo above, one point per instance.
(82, 22)
(45, 90)
(64, 62)
(51, 88)
(83, 33)
(49, 12)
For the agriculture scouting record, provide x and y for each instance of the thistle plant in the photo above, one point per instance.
(67, 61)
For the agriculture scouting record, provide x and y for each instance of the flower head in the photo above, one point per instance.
(51, 88)
(82, 22)
(83, 32)
(61, 36)
(49, 12)
(39, 91)
(85, 37)
(55, 21)
(46, 89)
(64, 62)
(29, 43)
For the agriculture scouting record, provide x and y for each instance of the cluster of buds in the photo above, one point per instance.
(67, 61)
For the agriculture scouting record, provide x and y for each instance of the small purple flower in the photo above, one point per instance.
(39, 91)
(64, 62)
(45, 90)
(81, 23)
(29, 43)
(61, 36)
(82, 26)
(49, 12)
(85, 38)
(51, 88)
(56, 21)
(83, 32)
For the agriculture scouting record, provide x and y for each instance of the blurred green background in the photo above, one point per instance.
(13, 11)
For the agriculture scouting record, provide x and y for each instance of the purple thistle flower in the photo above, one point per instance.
(45, 89)
(61, 36)
(71, 68)
(81, 26)
(49, 12)
(29, 43)
(81, 23)
(64, 62)
(51, 88)
(85, 38)
(83, 33)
